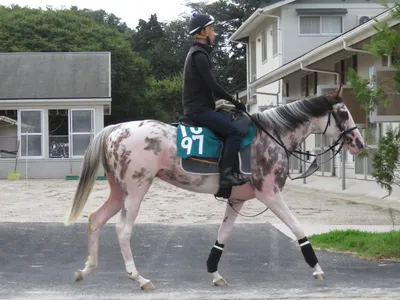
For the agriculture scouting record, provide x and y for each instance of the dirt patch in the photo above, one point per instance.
(49, 201)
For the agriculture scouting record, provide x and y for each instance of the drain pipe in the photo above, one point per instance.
(302, 67)
(347, 48)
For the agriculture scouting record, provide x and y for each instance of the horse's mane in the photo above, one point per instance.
(288, 117)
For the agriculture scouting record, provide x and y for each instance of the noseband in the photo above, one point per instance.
(342, 131)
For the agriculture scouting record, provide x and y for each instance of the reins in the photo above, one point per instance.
(314, 165)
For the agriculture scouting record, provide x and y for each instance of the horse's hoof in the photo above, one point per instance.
(147, 286)
(79, 275)
(319, 275)
(220, 282)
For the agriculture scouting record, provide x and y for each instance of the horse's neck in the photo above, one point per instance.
(292, 140)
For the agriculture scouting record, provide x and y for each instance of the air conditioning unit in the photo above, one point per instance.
(363, 19)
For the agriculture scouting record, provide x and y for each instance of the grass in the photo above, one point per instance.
(367, 245)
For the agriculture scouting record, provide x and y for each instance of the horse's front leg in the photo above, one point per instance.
(224, 231)
(276, 203)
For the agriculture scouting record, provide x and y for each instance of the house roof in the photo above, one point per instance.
(55, 75)
(351, 37)
(255, 19)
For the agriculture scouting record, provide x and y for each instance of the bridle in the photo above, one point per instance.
(314, 166)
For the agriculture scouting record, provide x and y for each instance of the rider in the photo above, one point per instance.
(199, 89)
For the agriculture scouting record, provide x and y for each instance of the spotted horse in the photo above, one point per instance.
(136, 152)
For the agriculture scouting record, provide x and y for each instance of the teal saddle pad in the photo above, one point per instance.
(202, 142)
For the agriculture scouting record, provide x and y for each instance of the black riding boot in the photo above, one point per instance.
(226, 167)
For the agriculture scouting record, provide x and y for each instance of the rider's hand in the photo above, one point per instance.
(240, 106)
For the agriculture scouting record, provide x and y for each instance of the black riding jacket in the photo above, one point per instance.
(199, 84)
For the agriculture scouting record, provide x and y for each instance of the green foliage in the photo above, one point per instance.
(371, 95)
(368, 245)
(386, 160)
(369, 98)
(166, 95)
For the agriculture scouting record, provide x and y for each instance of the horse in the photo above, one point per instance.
(134, 153)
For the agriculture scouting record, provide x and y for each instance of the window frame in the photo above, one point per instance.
(264, 46)
(22, 135)
(71, 134)
(320, 25)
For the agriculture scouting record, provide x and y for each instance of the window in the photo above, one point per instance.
(264, 46)
(309, 84)
(8, 133)
(253, 61)
(30, 127)
(58, 133)
(304, 86)
(321, 25)
(81, 130)
(342, 67)
(286, 92)
(274, 34)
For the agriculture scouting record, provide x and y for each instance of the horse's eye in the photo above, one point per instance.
(343, 115)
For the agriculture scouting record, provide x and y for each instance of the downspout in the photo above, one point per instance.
(347, 48)
(320, 71)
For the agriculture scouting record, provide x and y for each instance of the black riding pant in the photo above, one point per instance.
(219, 124)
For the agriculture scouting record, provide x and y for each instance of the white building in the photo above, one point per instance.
(297, 51)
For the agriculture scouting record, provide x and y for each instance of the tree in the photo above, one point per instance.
(164, 45)
(36, 30)
(385, 161)
(166, 95)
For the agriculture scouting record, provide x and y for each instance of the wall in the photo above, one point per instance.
(294, 45)
(263, 67)
(56, 168)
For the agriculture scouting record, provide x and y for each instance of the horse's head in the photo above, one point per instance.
(339, 124)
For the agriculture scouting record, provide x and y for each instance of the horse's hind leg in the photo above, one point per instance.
(133, 193)
(278, 206)
(224, 231)
(96, 221)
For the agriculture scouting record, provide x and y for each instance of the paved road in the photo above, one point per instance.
(37, 261)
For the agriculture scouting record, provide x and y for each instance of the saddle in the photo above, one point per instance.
(200, 149)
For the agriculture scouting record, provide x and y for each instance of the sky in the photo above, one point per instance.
(129, 11)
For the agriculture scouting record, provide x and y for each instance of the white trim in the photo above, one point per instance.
(20, 134)
(250, 20)
(71, 133)
(356, 35)
(83, 101)
(109, 75)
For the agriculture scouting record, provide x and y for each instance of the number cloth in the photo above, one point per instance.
(202, 142)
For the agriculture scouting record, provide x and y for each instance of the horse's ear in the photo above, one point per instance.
(339, 92)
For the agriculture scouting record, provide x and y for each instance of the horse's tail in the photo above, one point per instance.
(90, 164)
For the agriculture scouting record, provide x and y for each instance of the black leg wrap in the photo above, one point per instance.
(214, 257)
(308, 252)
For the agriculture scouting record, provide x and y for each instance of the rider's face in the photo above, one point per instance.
(212, 34)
